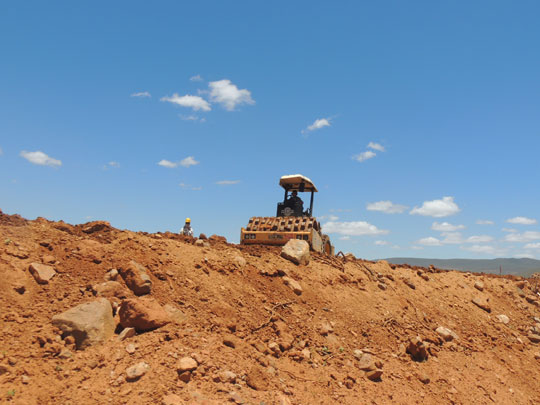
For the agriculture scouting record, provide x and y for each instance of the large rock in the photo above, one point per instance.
(503, 318)
(482, 302)
(41, 272)
(446, 333)
(186, 364)
(417, 349)
(136, 371)
(297, 251)
(293, 285)
(142, 314)
(256, 379)
(136, 278)
(89, 323)
(110, 289)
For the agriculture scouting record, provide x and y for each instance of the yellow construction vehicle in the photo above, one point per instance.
(290, 222)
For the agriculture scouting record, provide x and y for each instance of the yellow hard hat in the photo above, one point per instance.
(188, 220)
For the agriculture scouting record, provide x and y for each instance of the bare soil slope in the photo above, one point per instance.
(254, 336)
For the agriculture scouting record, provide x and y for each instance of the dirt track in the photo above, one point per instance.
(236, 314)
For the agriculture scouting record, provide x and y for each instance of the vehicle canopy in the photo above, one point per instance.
(297, 182)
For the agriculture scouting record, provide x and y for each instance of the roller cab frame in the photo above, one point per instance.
(290, 222)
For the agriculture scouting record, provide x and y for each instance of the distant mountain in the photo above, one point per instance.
(519, 267)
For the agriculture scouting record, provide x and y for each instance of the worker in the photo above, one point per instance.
(295, 202)
(187, 229)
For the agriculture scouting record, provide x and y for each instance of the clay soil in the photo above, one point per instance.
(234, 307)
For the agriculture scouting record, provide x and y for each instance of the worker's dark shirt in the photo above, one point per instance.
(295, 201)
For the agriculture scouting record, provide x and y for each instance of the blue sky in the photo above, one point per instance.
(416, 120)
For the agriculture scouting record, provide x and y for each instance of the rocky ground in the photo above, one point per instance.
(94, 315)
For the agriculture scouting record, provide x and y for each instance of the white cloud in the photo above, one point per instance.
(40, 158)
(328, 217)
(511, 230)
(344, 238)
(376, 146)
(142, 94)
(532, 245)
(528, 236)
(190, 187)
(228, 95)
(437, 208)
(388, 207)
(168, 163)
(189, 161)
(113, 165)
(479, 239)
(361, 157)
(429, 241)
(524, 256)
(196, 78)
(381, 243)
(452, 238)
(195, 102)
(487, 249)
(416, 247)
(318, 124)
(192, 118)
(484, 222)
(357, 228)
(522, 221)
(446, 227)
(227, 182)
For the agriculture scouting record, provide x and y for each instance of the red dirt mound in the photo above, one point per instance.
(243, 325)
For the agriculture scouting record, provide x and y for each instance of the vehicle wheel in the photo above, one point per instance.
(327, 246)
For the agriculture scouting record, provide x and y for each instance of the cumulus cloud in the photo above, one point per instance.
(227, 182)
(361, 157)
(524, 256)
(328, 217)
(381, 243)
(369, 154)
(486, 249)
(376, 146)
(484, 222)
(40, 158)
(528, 236)
(511, 230)
(522, 221)
(189, 161)
(479, 239)
(532, 245)
(194, 118)
(196, 78)
(228, 95)
(356, 228)
(111, 165)
(429, 241)
(446, 227)
(186, 162)
(344, 238)
(190, 187)
(318, 124)
(142, 94)
(195, 102)
(437, 208)
(452, 238)
(388, 207)
(168, 163)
